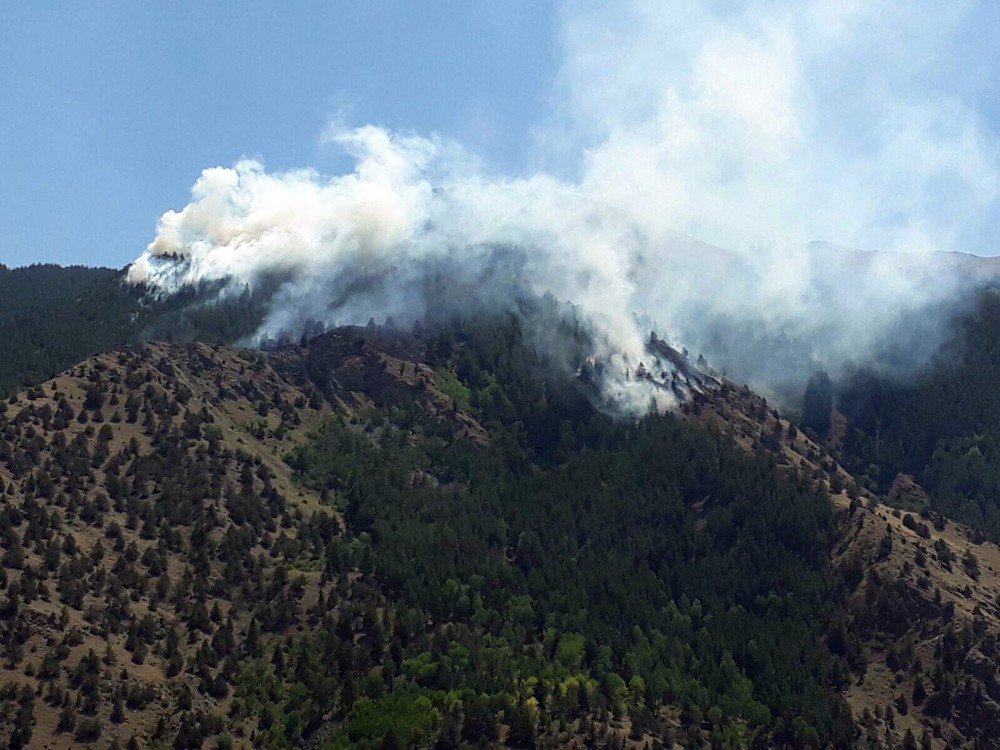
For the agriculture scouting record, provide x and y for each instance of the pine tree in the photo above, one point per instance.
(817, 405)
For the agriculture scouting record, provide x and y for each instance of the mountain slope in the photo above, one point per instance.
(52, 317)
(942, 427)
(382, 539)
(379, 538)
(921, 622)
(124, 479)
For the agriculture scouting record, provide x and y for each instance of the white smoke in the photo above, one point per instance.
(360, 245)
(738, 127)
(775, 123)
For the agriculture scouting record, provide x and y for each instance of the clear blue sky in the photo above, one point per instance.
(110, 110)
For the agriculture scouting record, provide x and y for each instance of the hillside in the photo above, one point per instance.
(922, 618)
(392, 539)
(104, 466)
(358, 542)
(51, 317)
(941, 428)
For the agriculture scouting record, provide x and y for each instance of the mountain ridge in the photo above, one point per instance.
(263, 407)
(228, 426)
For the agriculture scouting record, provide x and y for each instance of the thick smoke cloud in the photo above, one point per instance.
(756, 131)
(367, 243)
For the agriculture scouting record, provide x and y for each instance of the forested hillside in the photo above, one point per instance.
(598, 569)
(472, 554)
(433, 538)
(52, 317)
(943, 428)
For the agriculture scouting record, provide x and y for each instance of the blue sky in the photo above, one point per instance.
(110, 110)
(871, 124)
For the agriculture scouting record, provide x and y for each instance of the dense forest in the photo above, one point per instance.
(52, 317)
(599, 567)
(943, 427)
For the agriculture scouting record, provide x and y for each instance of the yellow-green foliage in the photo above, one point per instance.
(446, 382)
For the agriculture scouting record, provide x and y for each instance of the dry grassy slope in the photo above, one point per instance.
(905, 601)
(250, 380)
(229, 386)
(258, 407)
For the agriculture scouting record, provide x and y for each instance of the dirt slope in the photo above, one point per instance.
(147, 512)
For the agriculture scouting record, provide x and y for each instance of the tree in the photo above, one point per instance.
(390, 741)
(480, 722)
(521, 723)
(817, 404)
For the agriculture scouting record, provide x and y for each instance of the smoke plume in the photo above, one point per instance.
(757, 131)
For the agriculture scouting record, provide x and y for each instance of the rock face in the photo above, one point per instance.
(684, 376)
(355, 366)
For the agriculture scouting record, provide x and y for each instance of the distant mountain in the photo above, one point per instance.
(828, 254)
